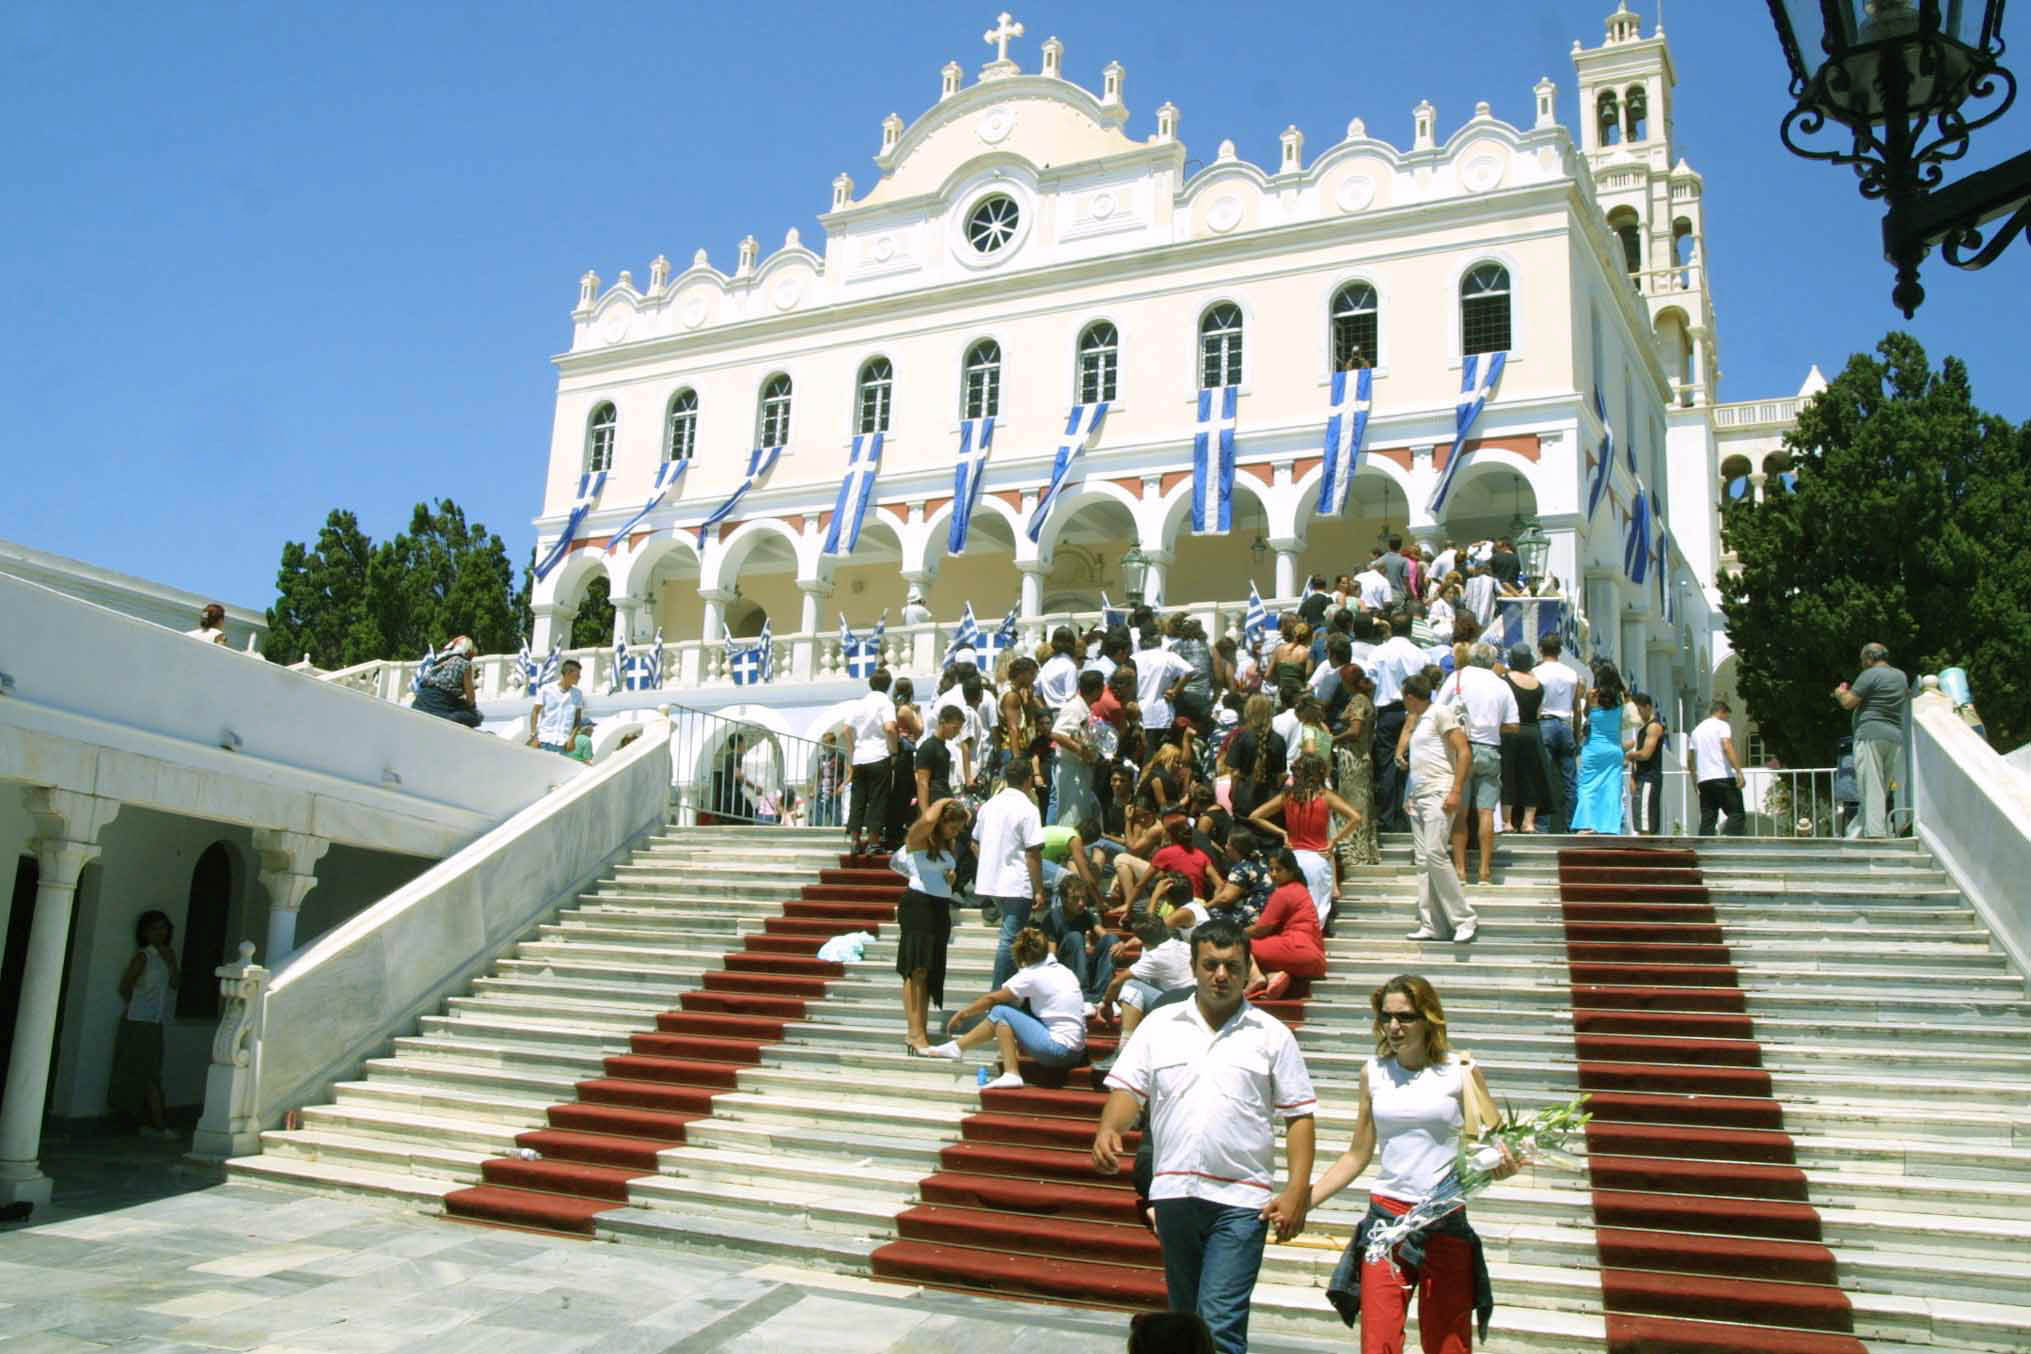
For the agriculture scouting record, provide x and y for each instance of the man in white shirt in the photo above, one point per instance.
(1008, 833)
(914, 610)
(1565, 695)
(1373, 586)
(871, 747)
(1441, 762)
(1487, 706)
(1710, 759)
(1058, 678)
(559, 710)
(1073, 802)
(1479, 595)
(1164, 967)
(1159, 676)
(1395, 659)
(1217, 1075)
(1448, 560)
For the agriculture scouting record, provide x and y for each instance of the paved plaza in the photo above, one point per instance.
(139, 1256)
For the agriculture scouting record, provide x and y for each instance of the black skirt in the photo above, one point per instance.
(1526, 772)
(926, 925)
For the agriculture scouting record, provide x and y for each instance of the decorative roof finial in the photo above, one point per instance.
(999, 36)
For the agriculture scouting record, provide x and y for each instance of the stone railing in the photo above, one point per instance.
(1756, 413)
(1973, 810)
(283, 1039)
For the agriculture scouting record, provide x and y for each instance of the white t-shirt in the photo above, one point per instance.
(150, 1002)
(1440, 617)
(561, 712)
(1285, 725)
(1376, 594)
(1710, 739)
(1418, 1117)
(866, 718)
(1101, 664)
(1443, 565)
(925, 875)
(1479, 597)
(207, 634)
(1485, 701)
(1431, 761)
(1058, 681)
(1561, 684)
(1390, 664)
(1054, 997)
(1167, 967)
(1006, 827)
(1071, 721)
(1156, 671)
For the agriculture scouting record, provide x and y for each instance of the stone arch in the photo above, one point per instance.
(1174, 509)
(883, 532)
(767, 745)
(1379, 501)
(1216, 568)
(641, 563)
(565, 585)
(1675, 346)
(215, 882)
(926, 550)
(1493, 489)
(723, 559)
(1081, 497)
(1608, 117)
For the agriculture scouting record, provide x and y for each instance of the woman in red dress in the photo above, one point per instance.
(1285, 942)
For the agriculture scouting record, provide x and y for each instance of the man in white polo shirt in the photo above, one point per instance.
(1217, 1074)
(1717, 772)
(871, 744)
(1009, 834)
(1565, 695)
(1395, 658)
(1487, 708)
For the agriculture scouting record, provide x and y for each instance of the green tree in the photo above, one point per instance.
(593, 626)
(320, 596)
(1908, 526)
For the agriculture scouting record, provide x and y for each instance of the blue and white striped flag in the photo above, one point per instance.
(1479, 375)
(1002, 640)
(547, 674)
(976, 439)
(752, 663)
(1636, 537)
(618, 679)
(1345, 432)
(654, 677)
(668, 476)
(1525, 620)
(856, 491)
(423, 668)
(1213, 462)
(965, 639)
(526, 665)
(761, 461)
(1604, 459)
(861, 656)
(1667, 594)
(588, 494)
(1257, 619)
(1081, 427)
(1111, 616)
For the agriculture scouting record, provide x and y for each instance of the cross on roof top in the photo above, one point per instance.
(1000, 34)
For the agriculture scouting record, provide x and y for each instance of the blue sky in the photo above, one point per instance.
(263, 260)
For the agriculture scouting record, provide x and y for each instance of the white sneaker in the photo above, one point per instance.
(1007, 1081)
(1466, 935)
(1423, 933)
(948, 1049)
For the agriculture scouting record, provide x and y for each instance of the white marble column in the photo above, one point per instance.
(628, 619)
(551, 626)
(1032, 571)
(288, 873)
(804, 654)
(1153, 576)
(68, 825)
(1286, 566)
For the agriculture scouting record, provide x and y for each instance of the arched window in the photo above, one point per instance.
(1636, 113)
(1220, 347)
(599, 439)
(1356, 330)
(983, 379)
(204, 934)
(1608, 117)
(772, 425)
(1099, 361)
(680, 429)
(877, 382)
(1484, 310)
(1630, 232)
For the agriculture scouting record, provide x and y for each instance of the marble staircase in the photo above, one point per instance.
(1895, 1037)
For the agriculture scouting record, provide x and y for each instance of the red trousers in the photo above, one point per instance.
(1445, 1297)
(1288, 954)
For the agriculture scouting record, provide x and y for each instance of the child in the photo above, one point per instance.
(136, 1088)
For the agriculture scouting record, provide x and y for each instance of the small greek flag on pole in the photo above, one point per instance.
(1256, 621)
(856, 491)
(654, 680)
(976, 439)
(1345, 432)
(547, 674)
(619, 679)
(1479, 375)
(1002, 640)
(668, 476)
(753, 663)
(423, 668)
(965, 639)
(1213, 462)
(1081, 427)
(588, 494)
(861, 656)
(1111, 616)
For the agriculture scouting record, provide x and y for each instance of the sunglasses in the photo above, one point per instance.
(1399, 1018)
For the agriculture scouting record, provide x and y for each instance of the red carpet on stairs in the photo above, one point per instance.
(1708, 1240)
(612, 1132)
(1016, 1209)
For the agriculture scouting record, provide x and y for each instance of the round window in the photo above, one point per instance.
(993, 223)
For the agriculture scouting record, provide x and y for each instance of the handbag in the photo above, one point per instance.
(1477, 1107)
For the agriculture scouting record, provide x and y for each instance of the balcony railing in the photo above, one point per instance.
(1756, 413)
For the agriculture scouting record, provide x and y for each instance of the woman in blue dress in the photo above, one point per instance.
(1600, 793)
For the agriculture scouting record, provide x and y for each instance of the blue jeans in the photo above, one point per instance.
(1015, 915)
(1033, 1037)
(1557, 737)
(1212, 1253)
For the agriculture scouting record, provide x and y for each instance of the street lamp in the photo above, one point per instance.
(1134, 569)
(1894, 74)
(1533, 548)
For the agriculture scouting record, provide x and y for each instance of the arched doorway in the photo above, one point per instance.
(1489, 504)
(205, 923)
(1377, 509)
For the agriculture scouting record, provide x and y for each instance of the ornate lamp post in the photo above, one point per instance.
(1895, 74)
(1533, 548)
(1134, 568)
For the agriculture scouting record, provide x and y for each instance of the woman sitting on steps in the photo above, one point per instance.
(1055, 1036)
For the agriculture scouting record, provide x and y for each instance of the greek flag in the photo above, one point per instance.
(856, 491)
(1604, 460)
(668, 476)
(1111, 616)
(619, 678)
(1081, 427)
(1002, 640)
(1667, 598)
(1526, 620)
(1213, 463)
(976, 437)
(760, 462)
(526, 665)
(861, 656)
(1478, 379)
(423, 668)
(753, 663)
(548, 672)
(1256, 621)
(654, 680)
(588, 494)
(1636, 537)
(965, 638)
(1345, 431)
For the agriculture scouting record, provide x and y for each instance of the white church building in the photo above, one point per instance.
(1022, 256)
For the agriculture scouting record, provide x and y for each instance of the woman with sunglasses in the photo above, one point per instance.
(1417, 1096)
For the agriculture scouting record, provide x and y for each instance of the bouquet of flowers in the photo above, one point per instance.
(1539, 1140)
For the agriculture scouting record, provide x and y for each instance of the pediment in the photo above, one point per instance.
(1044, 122)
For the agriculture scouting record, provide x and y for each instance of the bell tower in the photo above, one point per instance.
(1652, 200)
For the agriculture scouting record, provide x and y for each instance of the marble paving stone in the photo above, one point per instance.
(267, 1261)
(51, 1342)
(565, 1309)
(113, 1322)
(836, 1326)
(477, 1338)
(210, 1302)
